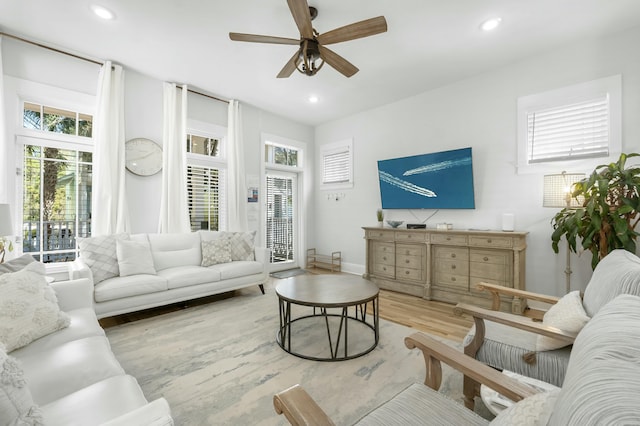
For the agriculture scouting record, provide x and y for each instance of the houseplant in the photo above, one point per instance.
(380, 215)
(609, 214)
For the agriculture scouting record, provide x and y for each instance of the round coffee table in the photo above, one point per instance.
(331, 297)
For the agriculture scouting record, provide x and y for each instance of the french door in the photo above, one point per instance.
(281, 220)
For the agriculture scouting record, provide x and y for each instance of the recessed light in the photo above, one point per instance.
(313, 99)
(102, 12)
(490, 24)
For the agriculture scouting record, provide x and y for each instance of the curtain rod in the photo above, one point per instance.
(44, 46)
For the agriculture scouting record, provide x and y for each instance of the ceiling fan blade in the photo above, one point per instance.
(353, 31)
(300, 11)
(338, 62)
(290, 66)
(254, 38)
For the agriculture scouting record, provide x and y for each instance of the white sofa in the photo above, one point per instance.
(73, 376)
(177, 274)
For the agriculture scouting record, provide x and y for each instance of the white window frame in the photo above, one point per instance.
(283, 143)
(608, 86)
(345, 146)
(210, 130)
(21, 91)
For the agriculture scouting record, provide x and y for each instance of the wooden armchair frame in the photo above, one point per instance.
(300, 409)
(471, 387)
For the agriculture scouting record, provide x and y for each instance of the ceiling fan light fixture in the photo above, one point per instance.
(309, 54)
(490, 24)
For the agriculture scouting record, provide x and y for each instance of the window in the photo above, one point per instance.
(206, 172)
(56, 201)
(280, 155)
(570, 124)
(337, 164)
(56, 120)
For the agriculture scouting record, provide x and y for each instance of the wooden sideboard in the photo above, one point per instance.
(447, 265)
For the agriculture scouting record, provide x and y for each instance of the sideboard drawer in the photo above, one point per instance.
(408, 274)
(380, 235)
(490, 241)
(384, 270)
(451, 253)
(445, 238)
(418, 237)
(452, 280)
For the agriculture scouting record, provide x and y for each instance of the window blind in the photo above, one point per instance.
(336, 166)
(569, 132)
(280, 218)
(205, 197)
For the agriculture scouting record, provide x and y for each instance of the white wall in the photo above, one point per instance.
(143, 118)
(479, 112)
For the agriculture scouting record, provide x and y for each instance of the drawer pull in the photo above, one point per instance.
(409, 236)
(448, 238)
(453, 278)
(384, 268)
(489, 241)
(486, 259)
(453, 266)
(384, 258)
(453, 255)
(406, 272)
(407, 261)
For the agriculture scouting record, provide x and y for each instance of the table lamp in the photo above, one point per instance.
(557, 193)
(6, 229)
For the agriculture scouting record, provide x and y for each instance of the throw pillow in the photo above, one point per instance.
(216, 251)
(567, 315)
(28, 309)
(99, 253)
(15, 265)
(531, 411)
(16, 403)
(134, 258)
(242, 247)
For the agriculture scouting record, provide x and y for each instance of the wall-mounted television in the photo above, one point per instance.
(439, 180)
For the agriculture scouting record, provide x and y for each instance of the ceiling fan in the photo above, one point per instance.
(312, 44)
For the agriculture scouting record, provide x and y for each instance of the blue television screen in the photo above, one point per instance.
(440, 180)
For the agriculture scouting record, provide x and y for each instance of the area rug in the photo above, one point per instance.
(288, 273)
(219, 364)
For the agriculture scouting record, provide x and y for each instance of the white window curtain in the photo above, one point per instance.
(109, 206)
(174, 210)
(4, 140)
(237, 194)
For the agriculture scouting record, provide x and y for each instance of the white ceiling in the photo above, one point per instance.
(429, 43)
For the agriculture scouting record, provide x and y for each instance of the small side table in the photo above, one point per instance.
(496, 402)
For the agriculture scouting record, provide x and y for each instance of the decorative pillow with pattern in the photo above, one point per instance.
(15, 265)
(99, 254)
(28, 309)
(534, 410)
(216, 251)
(16, 403)
(242, 246)
(567, 315)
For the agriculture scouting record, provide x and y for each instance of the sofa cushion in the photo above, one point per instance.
(54, 373)
(617, 273)
(567, 315)
(119, 287)
(216, 251)
(171, 250)
(602, 383)
(28, 309)
(239, 269)
(134, 257)
(99, 254)
(184, 276)
(16, 403)
(96, 403)
(83, 324)
(420, 405)
(242, 245)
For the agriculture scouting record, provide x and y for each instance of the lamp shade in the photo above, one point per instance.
(6, 224)
(557, 190)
